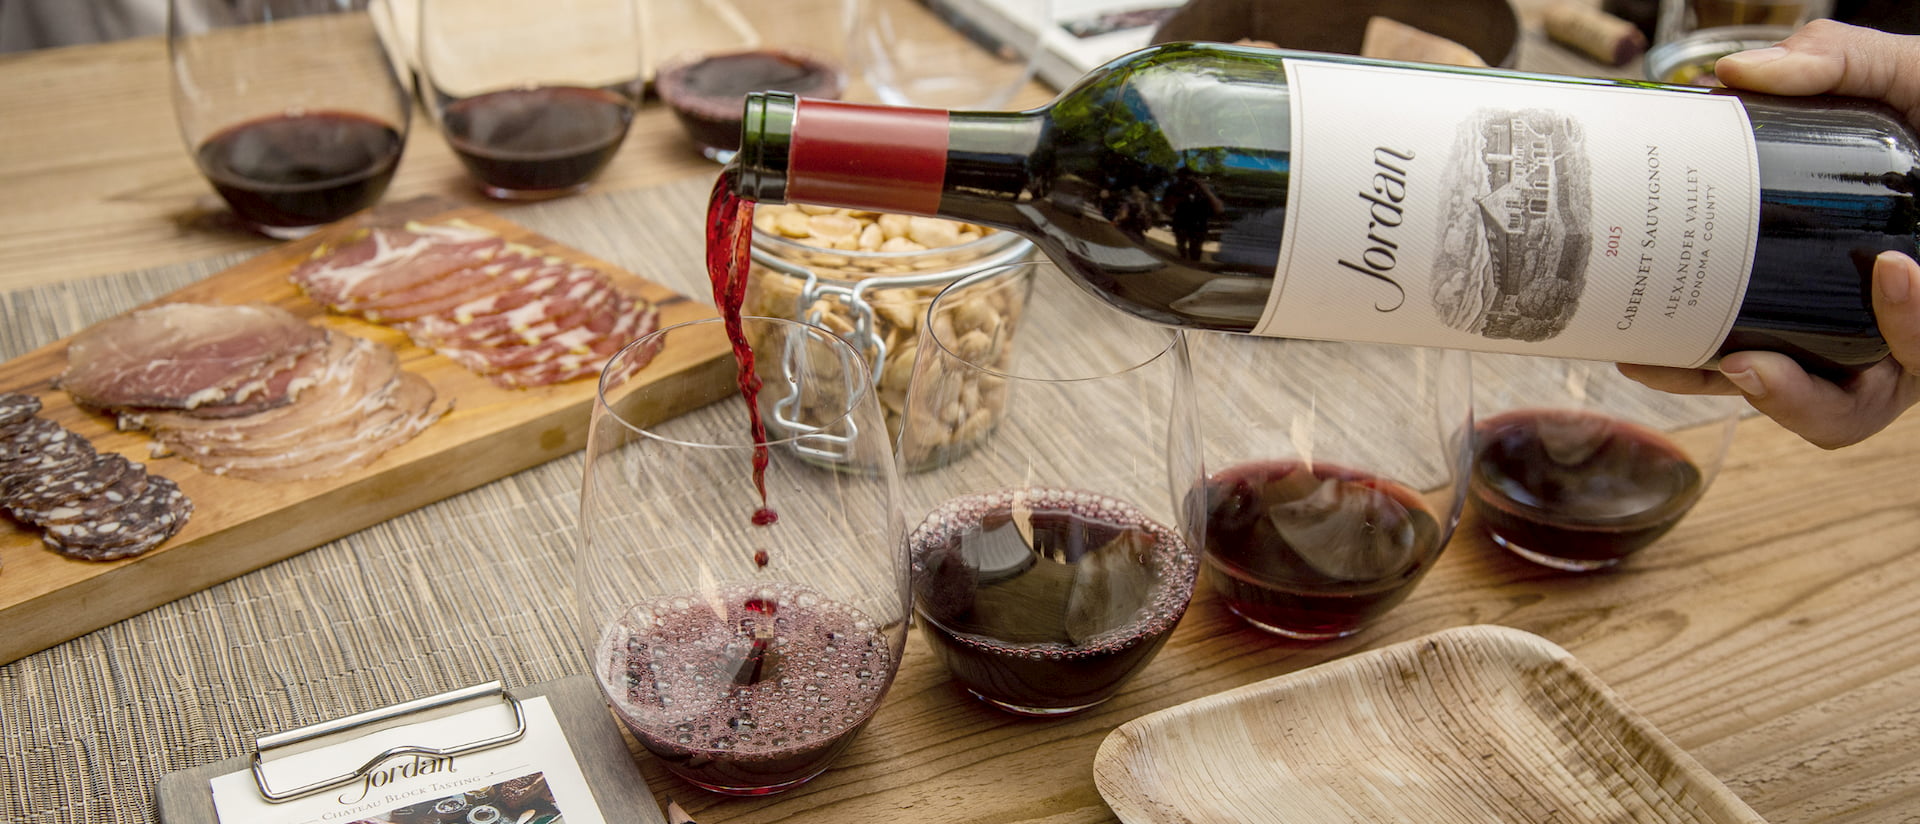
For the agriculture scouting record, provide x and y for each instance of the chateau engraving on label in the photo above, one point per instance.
(1514, 239)
(1506, 215)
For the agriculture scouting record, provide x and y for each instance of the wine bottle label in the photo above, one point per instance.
(1501, 214)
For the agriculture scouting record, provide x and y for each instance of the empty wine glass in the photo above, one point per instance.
(945, 54)
(1336, 473)
(745, 622)
(1577, 467)
(1049, 561)
(291, 108)
(534, 98)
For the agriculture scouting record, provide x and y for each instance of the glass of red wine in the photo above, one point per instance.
(713, 52)
(745, 603)
(1049, 561)
(1576, 467)
(291, 108)
(1335, 474)
(534, 98)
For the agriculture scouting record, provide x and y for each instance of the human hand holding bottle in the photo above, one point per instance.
(1826, 57)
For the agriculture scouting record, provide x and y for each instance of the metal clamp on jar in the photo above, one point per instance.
(875, 297)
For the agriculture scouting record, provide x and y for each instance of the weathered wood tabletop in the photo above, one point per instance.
(1770, 635)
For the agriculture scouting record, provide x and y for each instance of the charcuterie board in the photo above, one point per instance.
(240, 525)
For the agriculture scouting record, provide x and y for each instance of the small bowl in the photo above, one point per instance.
(1490, 28)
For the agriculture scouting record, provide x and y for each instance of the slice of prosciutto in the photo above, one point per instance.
(386, 260)
(505, 311)
(184, 356)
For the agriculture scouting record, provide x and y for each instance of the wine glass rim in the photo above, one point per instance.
(863, 384)
(1174, 337)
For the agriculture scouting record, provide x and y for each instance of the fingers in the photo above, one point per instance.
(1896, 305)
(1680, 381)
(1825, 57)
(1826, 414)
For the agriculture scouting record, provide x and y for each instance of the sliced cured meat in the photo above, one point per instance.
(54, 491)
(593, 330)
(348, 368)
(385, 260)
(127, 487)
(505, 311)
(635, 323)
(17, 407)
(62, 453)
(181, 355)
(271, 392)
(511, 268)
(477, 306)
(572, 301)
(129, 529)
(411, 411)
(88, 505)
(22, 440)
(330, 418)
(489, 310)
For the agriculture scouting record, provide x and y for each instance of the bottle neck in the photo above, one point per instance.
(932, 162)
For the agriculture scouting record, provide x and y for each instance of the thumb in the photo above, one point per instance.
(1825, 57)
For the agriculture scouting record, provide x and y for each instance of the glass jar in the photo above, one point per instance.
(876, 298)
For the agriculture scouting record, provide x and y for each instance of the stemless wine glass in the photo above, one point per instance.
(944, 54)
(291, 108)
(1049, 563)
(1336, 473)
(1690, 35)
(744, 638)
(534, 98)
(1577, 467)
(741, 46)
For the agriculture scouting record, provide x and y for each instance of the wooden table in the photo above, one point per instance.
(1771, 634)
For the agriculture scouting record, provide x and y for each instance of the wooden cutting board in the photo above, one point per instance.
(239, 525)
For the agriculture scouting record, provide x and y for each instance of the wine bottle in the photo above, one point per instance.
(1325, 196)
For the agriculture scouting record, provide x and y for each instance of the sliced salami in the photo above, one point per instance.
(22, 440)
(131, 529)
(17, 407)
(55, 452)
(130, 485)
(55, 491)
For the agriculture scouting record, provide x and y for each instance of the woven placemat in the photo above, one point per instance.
(473, 588)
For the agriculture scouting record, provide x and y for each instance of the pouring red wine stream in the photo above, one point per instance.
(729, 256)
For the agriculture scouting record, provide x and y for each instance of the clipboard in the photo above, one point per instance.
(185, 797)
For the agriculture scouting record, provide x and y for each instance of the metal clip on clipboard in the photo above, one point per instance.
(383, 715)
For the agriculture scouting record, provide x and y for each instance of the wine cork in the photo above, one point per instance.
(1595, 33)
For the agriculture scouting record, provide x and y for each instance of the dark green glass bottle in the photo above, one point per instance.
(1468, 208)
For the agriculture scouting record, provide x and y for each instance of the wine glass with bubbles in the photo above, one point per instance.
(1050, 558)
(745, 602)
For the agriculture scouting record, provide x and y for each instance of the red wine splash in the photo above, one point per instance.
(729, 255)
